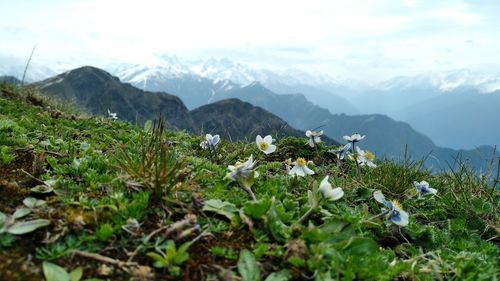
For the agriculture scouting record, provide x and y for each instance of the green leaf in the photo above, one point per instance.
(148, 126)
(27, 226)
(53, 272)
(21, 212)
(360, 246)
(159, 261)
(31, 202)
(283, 275)
(225, 208)
(257, 209)
(76, 274)
(247, 266)
(279, 230)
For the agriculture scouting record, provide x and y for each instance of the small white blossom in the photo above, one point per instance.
(394, 212)
(363, 157)
(341, 152)
(423, 188)
(112, 115)
(300, 168)
(210, 142)
(242, 170)
(329, 193)
(265, 144)
(354, 138)
(314, 137)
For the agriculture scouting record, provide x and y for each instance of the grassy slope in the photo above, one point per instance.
(108, 173)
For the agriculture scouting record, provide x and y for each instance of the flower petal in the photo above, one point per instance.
(308, 171)
(258, 140)
(268, 139)
(308, 133)
(270, 149)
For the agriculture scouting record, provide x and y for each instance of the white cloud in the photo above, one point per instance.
(364, 38)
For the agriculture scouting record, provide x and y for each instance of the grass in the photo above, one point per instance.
(125, 205)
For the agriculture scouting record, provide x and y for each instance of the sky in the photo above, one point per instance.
(368, 40)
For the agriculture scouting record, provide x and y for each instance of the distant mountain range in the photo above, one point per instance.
(96, 91)
(474, 94)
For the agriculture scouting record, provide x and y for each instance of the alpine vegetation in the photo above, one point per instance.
(91, 198)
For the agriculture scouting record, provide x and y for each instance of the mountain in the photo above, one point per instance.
(97, 91)
(212, 76)
(459, 119)
(10, 80)
(385, 136)
(193, 89)
(235, 119)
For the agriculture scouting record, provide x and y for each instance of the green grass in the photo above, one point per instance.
(119, 192)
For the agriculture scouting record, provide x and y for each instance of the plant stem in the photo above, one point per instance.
(306, 215)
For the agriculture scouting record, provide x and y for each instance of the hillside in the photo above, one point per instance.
(445, 118)
(239, 120)
(107, 200)
(96, 91)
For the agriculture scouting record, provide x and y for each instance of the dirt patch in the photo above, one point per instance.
(14, 182)
(201, 261)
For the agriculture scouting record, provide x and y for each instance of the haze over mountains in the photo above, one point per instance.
(456, 109)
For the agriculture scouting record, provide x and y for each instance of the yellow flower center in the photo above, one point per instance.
(264, 145)
(370, 156)
(301, 162)
(396, 204)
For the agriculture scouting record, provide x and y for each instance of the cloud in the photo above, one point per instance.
(384, 37)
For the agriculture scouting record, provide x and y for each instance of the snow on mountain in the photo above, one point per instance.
(483, 82)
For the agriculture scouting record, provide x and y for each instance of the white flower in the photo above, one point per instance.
(354, 138)
(423, 188)
(242, 170)
(112, 115)
(210, 142)
(300, 168)
(265, 145)
(329, 193)
(364, 157)
(394, 212)
(341, 152)
(314, 137)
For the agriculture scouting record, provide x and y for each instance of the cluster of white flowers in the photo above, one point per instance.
(245, 172)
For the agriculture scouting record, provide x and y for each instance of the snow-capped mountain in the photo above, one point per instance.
(483, 82)
(11, 66)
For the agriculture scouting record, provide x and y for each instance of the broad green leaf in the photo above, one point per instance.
(225, 208)
(279, 230)
(53, 272)
(21, 212)
(257, 209)
(27, 226)
(247, 266)
(76, 274)
(360, 246)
